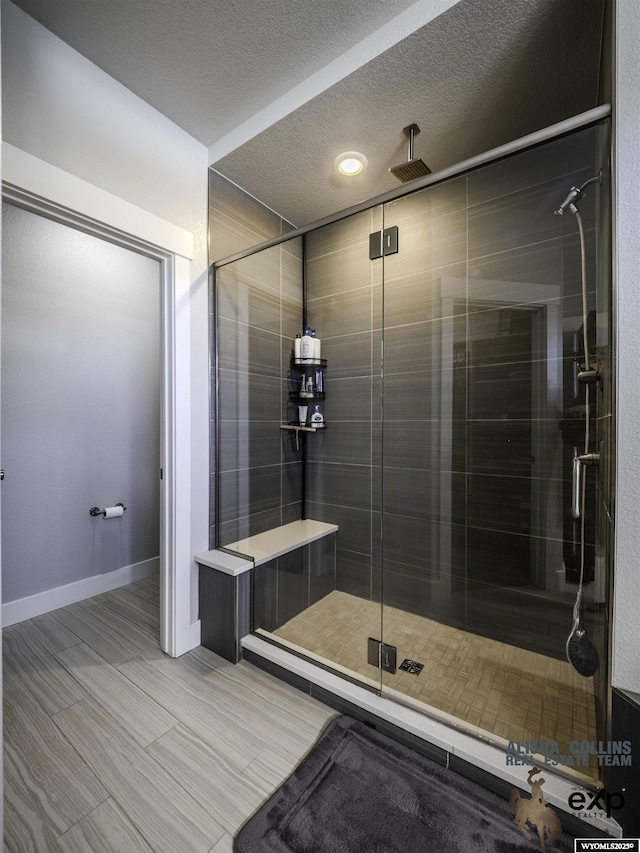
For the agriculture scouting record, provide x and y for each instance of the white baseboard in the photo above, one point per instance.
(61, 596)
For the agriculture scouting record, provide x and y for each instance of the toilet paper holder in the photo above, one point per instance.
(95, 510)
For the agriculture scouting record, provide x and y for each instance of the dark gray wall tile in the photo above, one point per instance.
(436, 242)
(515, 448)
(288, 444)
(291, 483)
(252, 490)
(434, 548)
(248, 444)
(217, 598)
(502, 559)
(259, 307)
(243, 396)
(293, 246)
(427, 204)
(339, 272)
(522, 218)
(423, 346)
(341, 313)
(417, 595)
(348, 356)
(425, 395)
(350, 232)
(425, 294)
(249, 525)
(625, 718)
(559, 158)
(247, 349)
(500, 503)
(348, 398)
(291, 512)
(339, 485)
(291, 320)
(354, 524)
(229, 205)
(425, 495)
(526, 274)
(265, 596)
(425, 445)
(293, 586)
(353, 573)
(320, 559)
(248, 302)
(341, 442)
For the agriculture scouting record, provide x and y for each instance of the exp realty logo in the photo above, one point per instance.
(584, 803)
(534, 815)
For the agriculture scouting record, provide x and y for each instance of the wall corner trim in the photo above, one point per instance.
(34, 177)
(196, 634)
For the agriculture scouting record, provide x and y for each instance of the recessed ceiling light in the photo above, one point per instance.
(350, 163)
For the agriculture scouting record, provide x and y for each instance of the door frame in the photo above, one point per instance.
(43, 189)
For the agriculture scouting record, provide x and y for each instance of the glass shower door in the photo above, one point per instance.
(422, 464)
(343, 304)
(483, 412)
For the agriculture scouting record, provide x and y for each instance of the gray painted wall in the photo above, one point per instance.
(80, 404)
(61, 108)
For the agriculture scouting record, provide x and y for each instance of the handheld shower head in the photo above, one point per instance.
(574, 194)
(568, 203)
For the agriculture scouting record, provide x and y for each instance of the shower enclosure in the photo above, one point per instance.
(453, 410)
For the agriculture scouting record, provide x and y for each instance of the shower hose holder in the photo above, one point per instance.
(589, 377)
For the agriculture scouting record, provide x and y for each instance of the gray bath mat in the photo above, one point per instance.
(358, 791)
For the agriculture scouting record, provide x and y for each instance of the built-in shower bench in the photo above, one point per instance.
(225, 593)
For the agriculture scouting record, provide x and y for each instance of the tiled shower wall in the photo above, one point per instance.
(464, 491)
(452, 407)
(259, 311)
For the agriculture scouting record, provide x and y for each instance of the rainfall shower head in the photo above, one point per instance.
(413, 168)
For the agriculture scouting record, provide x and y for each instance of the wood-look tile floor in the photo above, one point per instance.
(113, 747)
(511, 692)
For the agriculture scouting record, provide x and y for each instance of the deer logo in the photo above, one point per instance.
(534, 813)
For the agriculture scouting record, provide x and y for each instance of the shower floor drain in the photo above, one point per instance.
(411, 666)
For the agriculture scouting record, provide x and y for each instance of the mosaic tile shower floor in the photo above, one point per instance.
(510, 692)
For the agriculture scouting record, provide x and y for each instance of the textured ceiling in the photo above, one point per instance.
(207, 64)
(479, 74)
(482, 74)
